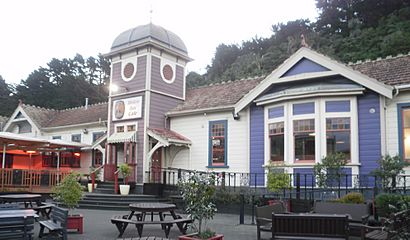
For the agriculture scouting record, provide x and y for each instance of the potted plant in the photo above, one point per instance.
(125, 171)
(69, 193)
(198, 194)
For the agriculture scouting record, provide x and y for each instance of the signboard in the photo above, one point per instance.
(127, 108)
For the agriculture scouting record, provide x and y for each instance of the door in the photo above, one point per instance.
(156, 164)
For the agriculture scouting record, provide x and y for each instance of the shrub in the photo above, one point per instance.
(330, 170)
(69, 191)
(389, 169)
(353, 197)
(278, 179)
(125, 170)
(389, 203)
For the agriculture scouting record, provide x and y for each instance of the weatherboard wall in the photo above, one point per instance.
(176, 88)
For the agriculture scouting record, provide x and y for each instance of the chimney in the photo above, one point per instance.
(86, 103)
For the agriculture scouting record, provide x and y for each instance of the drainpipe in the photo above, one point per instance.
(86, 103)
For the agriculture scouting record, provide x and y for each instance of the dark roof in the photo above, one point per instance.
(169, 134)
(217, 95)
(391, 70)
(54, 118)
(3, 119)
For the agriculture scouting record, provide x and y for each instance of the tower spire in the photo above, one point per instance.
(150, 14)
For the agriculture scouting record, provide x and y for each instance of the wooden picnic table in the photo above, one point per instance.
(28, 199)
(140, 210)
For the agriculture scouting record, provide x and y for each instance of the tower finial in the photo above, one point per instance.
(303, 41)
(150, 14)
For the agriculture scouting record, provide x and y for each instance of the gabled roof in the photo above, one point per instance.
(221, 95)
(40, 116)
(334, 67)
(167, 136)
(391, 70)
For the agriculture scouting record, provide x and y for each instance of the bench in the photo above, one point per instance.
(309, 226)
(394, 228)
(44, 209)
(121, 222)
(57, 225)
(9, 206)
(358, 213)
(21, 227)
(264, 217)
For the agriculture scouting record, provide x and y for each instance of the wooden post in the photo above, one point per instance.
(125, 152)
(3, 164)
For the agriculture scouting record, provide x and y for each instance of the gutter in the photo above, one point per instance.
(197, 111)
(74, 125)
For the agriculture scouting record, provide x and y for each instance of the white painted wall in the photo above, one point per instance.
(392, 130)
(195, 128)
(67, 132)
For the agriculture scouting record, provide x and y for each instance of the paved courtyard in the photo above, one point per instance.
(97, 226)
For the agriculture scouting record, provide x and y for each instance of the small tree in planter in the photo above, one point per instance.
(198, 193)
(69, 193)
(389, 169)
(125, 171)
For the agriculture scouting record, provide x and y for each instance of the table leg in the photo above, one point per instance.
(180, 225)
(131, 214)
(161, 218)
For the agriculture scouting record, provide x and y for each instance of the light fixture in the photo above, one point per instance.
(312, 134)
(30, 152)
(115, 88)
(77, 154)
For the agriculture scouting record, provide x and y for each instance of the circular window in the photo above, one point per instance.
(128, 70)
(167, 72)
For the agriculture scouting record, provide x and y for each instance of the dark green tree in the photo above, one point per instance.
(8, 101)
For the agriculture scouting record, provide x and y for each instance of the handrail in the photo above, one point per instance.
(116, 181)
(93, 173)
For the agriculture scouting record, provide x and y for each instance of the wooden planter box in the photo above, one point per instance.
(75, 222)
(192, 237)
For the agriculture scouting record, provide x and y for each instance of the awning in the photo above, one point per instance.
(123, 137)
(168, 137)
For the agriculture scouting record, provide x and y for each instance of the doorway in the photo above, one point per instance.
(156, 165)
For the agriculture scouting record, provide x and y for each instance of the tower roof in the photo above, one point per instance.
(140, 35)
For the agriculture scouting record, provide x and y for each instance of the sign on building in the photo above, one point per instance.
(128, 108)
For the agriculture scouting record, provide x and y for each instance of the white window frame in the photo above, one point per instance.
(320, 116)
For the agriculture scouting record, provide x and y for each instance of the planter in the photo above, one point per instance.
(124, 189)
(192, 237)
(90, 188)
(75, 222)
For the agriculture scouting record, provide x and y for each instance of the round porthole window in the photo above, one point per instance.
(128, 71)
(168, 73)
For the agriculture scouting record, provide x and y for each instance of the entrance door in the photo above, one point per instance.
(156, 164)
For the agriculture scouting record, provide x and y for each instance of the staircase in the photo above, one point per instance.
(104, 198)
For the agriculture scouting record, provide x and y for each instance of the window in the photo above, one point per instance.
(49, 159)
(97, 135)
(304, 139)
(76, 138)
(338, 136)
(56, 137)
(130, 128)
(120, 129)
(276, 136)
(405, 132)
(70, 159)
(217, 143)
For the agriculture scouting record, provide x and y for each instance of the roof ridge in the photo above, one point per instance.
(80, 107)
(378, 59)
(38, 107)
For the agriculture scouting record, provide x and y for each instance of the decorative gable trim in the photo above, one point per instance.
(335, 68)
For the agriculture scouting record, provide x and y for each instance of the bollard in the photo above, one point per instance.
(242, 210)
(253, 210)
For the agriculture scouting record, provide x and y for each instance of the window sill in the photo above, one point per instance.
(223, 166)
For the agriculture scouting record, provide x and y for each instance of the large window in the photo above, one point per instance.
(97, 135)
(304, 139)
(338, 136)
(276, 136)
(217, 143)
(405, 118)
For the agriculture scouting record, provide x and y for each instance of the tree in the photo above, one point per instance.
(8, 101)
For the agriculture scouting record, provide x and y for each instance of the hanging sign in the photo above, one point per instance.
(127, 108)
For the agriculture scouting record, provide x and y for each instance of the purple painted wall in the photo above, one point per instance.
(135, 84)
(257, 150)
(303, 108)
(369, 132)
(275, 112)
(338, 106)
(160, 104)
(158, 84)
(304, 66)
(306, 176)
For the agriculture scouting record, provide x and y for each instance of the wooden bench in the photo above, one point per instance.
(144, 238)
(264, 217)
(57, 225)
(21, 227)
(309, 226)
(9, 206)
(44, 209)
(121, 222)
(358, 213)
(394, 228)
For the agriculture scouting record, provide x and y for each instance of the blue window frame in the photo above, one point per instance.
(403, 113)
(218, 147)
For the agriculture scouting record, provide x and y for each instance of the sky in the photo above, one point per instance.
(34, 32)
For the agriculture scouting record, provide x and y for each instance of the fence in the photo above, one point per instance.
(300, 185)
(30, 180)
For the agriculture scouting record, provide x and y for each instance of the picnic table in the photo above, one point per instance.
(27, 199)
(17, 223)
(140, 210)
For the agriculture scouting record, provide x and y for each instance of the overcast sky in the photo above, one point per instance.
(34, 32)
